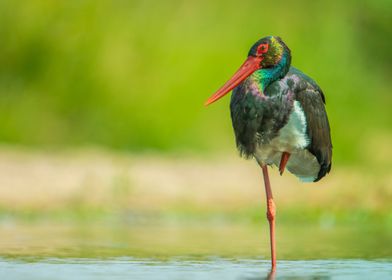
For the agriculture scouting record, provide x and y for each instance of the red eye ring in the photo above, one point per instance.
(262, 48)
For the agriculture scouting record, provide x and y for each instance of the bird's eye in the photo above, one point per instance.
(262, 48)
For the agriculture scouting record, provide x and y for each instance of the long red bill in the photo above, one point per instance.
(250, 65)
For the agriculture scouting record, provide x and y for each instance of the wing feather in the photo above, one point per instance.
(313, 103)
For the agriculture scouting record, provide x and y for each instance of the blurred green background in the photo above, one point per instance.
(133, 75)
(102, 119)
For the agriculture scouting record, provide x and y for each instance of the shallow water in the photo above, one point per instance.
(125, 268)
(192, 251)
(192, 240)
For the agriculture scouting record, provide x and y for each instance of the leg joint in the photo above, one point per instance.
(271, 210)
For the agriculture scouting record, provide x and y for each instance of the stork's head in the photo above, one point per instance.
(265, 53)
(270, 49)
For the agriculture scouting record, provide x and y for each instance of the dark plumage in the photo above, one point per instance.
(257, 118)
(279, 118)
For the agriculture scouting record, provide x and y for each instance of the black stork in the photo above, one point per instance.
(279, 118)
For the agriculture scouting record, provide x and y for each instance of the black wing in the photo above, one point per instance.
(312, 101)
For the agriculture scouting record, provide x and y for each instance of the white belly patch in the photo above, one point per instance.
(292, 138)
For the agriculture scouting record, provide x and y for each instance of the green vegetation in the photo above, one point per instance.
(133, 75)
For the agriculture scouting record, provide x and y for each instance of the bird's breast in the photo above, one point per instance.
(256, 117)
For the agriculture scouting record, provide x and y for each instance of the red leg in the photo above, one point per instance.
(283, 162)
(270, 215)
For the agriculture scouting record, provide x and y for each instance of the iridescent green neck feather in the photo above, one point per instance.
(262, 78)
(274, 66)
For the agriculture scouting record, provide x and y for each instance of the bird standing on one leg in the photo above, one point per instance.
(279, 118)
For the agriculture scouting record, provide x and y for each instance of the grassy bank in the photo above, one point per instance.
(94, 185)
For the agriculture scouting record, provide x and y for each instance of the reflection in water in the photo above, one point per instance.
(228, 251)
(272, 276)
(192, 241)
(126, 268)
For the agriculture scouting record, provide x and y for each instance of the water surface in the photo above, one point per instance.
(125, 268)
(192, 251)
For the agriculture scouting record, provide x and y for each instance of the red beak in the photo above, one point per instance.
(250, 65)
